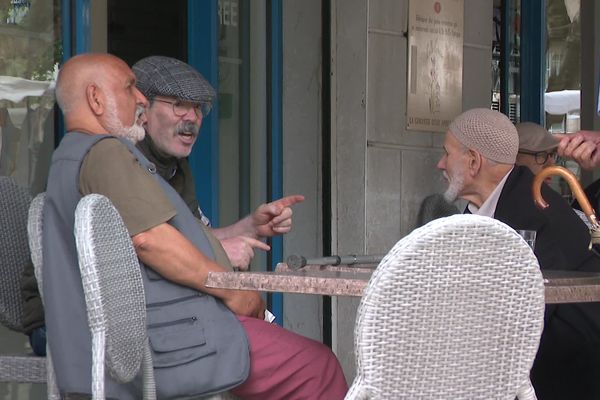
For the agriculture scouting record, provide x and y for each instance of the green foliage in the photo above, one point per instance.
(31, 47)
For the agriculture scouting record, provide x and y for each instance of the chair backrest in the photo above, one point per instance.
(113, 288)
(14, 250)
(34, 234)
(435, 206)
(454, 310)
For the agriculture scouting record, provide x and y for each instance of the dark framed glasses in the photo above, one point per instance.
(541, 157)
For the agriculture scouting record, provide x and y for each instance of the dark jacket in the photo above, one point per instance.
(33, 310)
(567, 365)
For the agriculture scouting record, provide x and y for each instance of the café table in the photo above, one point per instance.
(560, 286)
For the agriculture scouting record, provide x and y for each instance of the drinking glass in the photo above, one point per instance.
(529, 236)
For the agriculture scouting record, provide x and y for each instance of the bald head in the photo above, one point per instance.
(94, 90)
(79, 72)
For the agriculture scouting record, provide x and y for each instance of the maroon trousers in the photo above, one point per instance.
(285, 365)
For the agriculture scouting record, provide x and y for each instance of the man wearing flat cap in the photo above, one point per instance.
(283, 364)
(481, 147)
(537, 146)
(179, 99)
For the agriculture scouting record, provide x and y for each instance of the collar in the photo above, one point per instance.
(488, 208)
(166, 165)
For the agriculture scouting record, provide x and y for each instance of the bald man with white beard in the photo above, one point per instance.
(480, 149)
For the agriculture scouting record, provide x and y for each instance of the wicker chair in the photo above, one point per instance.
(114, 296)
(34, 233)
(14, 256)
(454, 311)
(114, 292)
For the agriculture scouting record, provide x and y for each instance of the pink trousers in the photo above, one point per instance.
(285, 365)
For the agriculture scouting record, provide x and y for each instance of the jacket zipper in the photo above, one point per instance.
(190, 320)
(174, 301)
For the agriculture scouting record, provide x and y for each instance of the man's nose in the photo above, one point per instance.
(141, 99)
(441, 164)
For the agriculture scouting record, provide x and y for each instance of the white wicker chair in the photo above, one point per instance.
(14, 256)
(454, 311)
(114, 296)
(34, 234)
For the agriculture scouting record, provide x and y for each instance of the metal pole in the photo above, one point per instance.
(296, 261)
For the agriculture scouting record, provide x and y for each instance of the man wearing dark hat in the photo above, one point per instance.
(179, 98)
(537, 147)
(481, 147)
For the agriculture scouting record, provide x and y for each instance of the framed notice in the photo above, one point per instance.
(435, 63)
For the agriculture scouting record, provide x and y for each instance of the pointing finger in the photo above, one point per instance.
(257, 244)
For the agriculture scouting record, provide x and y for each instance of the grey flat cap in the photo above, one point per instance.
(166, 76)
(534, 137)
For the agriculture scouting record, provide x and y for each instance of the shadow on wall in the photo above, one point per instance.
(433, 207)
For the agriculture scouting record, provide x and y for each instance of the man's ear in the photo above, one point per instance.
(95, 99)
(475, 162)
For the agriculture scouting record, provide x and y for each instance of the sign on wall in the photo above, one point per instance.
(435, 63)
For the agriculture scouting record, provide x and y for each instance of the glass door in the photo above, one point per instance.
(242, 111)
(506, 59)
(30, 50)
(30, 33)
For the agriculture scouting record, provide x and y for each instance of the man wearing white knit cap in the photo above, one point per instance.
(481, 147)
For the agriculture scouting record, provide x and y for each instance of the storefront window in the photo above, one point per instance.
(242, 110)
(506, 54)
(29, 54)
(30, 49)
(563, 65)
(232, 104)
(562, 62)
(562, 97)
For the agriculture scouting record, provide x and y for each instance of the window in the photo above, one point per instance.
(506, 90)
(31, 49)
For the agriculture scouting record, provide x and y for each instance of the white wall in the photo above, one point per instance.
(302, 123)
(382, 170)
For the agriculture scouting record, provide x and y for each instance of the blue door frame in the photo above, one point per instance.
(75, 27)
(532, 57)
(275, 117)
(75, 35)
(203, 47)
(533, 46)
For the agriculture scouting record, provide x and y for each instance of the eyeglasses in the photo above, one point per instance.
(541, 157)
(181, 108)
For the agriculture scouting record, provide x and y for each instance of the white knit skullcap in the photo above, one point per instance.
(488, 132)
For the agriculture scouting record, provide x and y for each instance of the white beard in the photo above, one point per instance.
(455, 186)
(133, 133)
